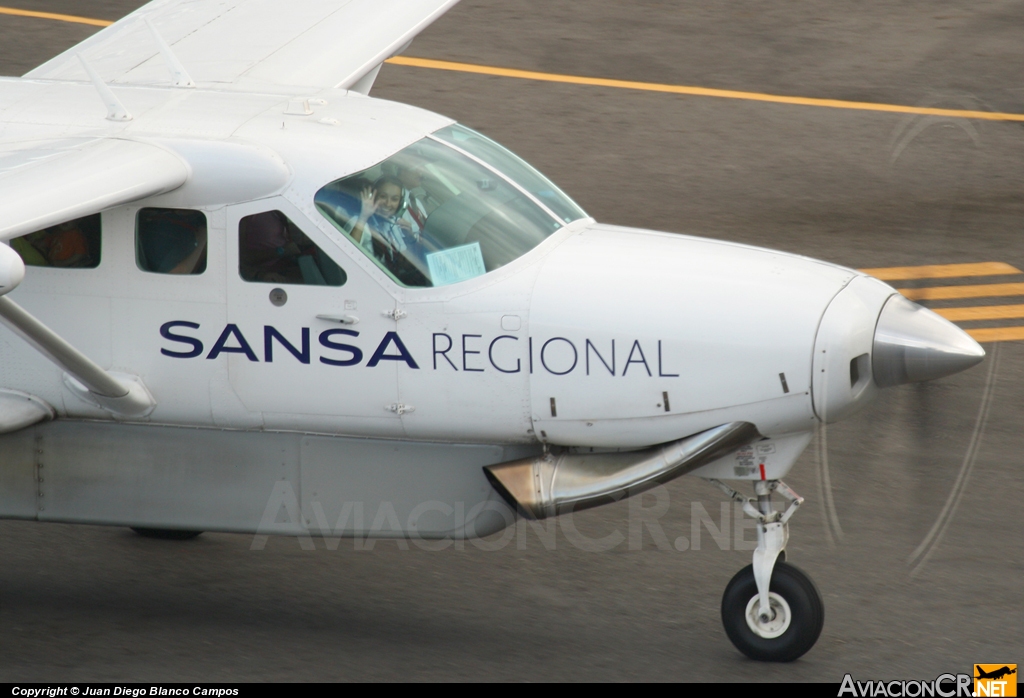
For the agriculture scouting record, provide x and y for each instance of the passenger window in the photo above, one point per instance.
(272, 249)
(71, 245)
(170, 241)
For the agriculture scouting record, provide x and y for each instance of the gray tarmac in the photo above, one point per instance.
(860, 188)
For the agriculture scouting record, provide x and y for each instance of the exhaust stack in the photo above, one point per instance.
(551, 484)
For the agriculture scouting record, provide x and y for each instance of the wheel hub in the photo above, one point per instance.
(773, 626)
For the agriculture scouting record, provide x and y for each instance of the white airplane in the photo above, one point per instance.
(260, 301)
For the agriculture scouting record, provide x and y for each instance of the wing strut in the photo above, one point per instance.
(115, 110)
(178, 73)
(123, 394)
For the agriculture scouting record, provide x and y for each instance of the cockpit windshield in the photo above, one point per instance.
(448, 208)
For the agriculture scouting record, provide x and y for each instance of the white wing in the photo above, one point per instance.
(43, 183)
(253, 45)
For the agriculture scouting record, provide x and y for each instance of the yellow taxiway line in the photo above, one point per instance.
(997, 334)
(943, 271)
(52, 15)
(939, 293)
(624, 84)
(981, 312)
(699, 91)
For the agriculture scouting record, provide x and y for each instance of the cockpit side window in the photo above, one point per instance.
(272, 249)
(434, 215)
(170, 241)
(71, 245)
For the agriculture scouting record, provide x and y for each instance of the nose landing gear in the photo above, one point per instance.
(771, 610)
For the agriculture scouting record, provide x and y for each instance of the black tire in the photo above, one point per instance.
(166, 533)
(808, 614)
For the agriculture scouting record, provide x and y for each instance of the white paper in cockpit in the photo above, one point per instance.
(456, 264)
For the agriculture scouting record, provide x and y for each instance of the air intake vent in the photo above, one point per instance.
(860, 372)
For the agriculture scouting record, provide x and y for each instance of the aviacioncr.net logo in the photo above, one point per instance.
(943, 686)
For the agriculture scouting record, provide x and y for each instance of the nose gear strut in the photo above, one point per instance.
(771, 610)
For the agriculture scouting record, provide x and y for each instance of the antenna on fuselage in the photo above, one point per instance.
(115, 110)
(179, 75)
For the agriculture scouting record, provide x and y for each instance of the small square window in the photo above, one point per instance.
(170, 241)
(70, 245)
(272, 249)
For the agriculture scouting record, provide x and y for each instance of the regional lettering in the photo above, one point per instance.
(456, 353)
(558, 356)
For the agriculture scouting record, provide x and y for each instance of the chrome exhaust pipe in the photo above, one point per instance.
(552, 484)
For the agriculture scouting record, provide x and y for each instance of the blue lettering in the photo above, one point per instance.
(466, 352)
(443, 352)
(490, 354)
(197, 346)
(660, 374)
(611, 369)
(327, 342)
(242, 348)
(575, 355)
(239, 345)
(641, 360)
(271, 333)
(402, 355)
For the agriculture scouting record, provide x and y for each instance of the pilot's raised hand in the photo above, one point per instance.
(367, 203)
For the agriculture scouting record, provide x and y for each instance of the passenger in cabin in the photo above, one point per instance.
(267, 249)
(386, 234)
(65, 245)
(172, 241)
(62, 245)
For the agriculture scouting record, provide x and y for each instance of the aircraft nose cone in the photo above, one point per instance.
(914, 344)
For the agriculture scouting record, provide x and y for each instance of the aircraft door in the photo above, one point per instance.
(473, 377)
(310, 340)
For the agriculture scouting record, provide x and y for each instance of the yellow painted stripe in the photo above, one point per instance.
(622, 84)
(935, 293)
(942, 271)
(997, 334)
(981, 312)
(698, 91)
(51, 15)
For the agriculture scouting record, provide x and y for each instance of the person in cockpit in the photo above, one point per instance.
(409, 171)
(384, 231)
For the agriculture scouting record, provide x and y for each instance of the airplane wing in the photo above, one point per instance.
(253, 45)
(43, 183)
